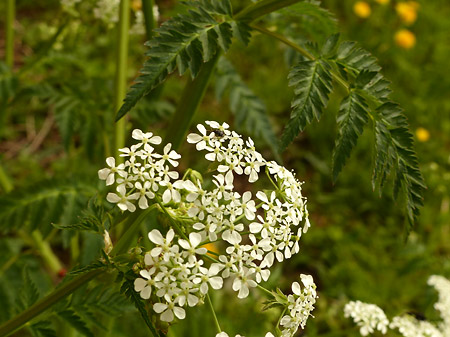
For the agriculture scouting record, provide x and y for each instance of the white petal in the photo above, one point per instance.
(167, 196)
(139, 284)
(112, 197)
(146, 293)
(159, 307)
(156, 237)
(103, 173)
(195, 239)
(216, 282)
(296, 288)
(179, 312)
(167, 316)
(194, 138)
(137, 134)
(111, 161)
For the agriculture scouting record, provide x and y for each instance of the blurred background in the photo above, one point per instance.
(57, 120)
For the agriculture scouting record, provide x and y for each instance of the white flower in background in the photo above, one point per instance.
(368, 317)
(408, 326)
(107, 11)
(442, 285)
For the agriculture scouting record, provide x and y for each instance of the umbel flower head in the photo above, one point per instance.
(252, 229)
(369, 317)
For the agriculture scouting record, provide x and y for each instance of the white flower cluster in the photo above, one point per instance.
(255, 229)
(409, 326)
(224, 334)
(301, 303)
(368, 317)
(442, 285)
(107, 11)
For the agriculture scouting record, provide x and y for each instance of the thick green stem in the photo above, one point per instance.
(69, 287)
(189, 102)
(121, 71)
(261, 8)
(10, 17)
(149, 17)
(216, 322)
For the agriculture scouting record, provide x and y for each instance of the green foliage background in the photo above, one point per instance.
(56, 127)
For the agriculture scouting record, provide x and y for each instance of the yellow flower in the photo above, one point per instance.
(422, 134)
(405, 39)
(407, 11)
(212, 248)
(362, 9)
(382, 2)
(136, 5)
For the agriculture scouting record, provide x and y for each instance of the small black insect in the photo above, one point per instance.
(417, 315)
(218, 133)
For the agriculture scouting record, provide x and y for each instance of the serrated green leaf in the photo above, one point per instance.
(312, 84)
(395, 154)
(353, 115)
(354, 59)
(185, 42)
(42, 203)
(29, 293)
(76, 321)
(43, 329)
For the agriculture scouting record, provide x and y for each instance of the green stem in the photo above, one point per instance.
(149, 17)
(216, 322)
(72, 285)
(190, 100)
(121, 71)
(301, 50)
(283, 39)
(261, 8)
(5, 182)
(267, 291)
(46, 302)
(46, 252)
(172, 221)
(10, 17)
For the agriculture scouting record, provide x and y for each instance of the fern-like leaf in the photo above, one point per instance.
(43, 203)
(353, 115)
(394, 152)
(185, 42)
(312, 84)
(29, 294)
(249, 109)
(42, 329)
(76, 321)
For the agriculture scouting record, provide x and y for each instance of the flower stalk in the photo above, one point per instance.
(121, 69)
(10, 17)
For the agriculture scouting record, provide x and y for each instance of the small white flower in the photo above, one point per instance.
(108, 174)
(144, 285)
(121, 199)
(146, 137)
(167, 310)
(242, 282)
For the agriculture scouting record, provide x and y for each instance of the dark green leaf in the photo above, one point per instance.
(312, 84)
(353, 115)
(76, 321)
(185, 41)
